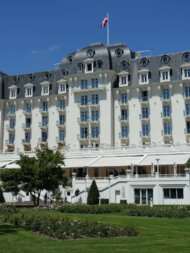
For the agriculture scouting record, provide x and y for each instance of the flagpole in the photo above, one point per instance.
(108, 39)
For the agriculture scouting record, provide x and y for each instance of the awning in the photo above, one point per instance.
(12, 166)
(79, 162)
(167, 159)
(116, 161)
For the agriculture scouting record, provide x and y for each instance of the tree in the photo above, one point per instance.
(2, 200)
(93, 194)
(42, 172)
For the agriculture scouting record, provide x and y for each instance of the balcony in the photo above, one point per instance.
(187, 131)
(42, 141)
(94, 104)
(123, 136)
(186, 96)
(83, 137)
(167, 134)
(83, 105)
(60, 124)
(27, 111)
(144, 135)
(94, 136)
(89, 89)
(43, 125)
(60, 108)
(9, 143)
(10, 113)
(165, 98)
(166, 115)
(186, 113)
(83, 121)
(26, 126)
(144, 117)
(94, 120)
(10, 128)
(123, 119)
(144, 99)
(60, 140)
(26, 142)
(43, 110)
(123, 103)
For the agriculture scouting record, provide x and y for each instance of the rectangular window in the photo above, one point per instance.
(84, 85)
(144, 95)
(62, 87)
(29, 91)
(28, 108)
(62, 119)
(12, 109)
(123, 80)
(166, 94)
(62, 104)
(124, 131)
(95, 99)
(13, 93)
(187, 91)
(61, 135)
(84, 100)
(95, 115)
(45, 89)
(89, 67)
(12, 124)
(187, 109)
(145, 112)
(124, 98)
(94, 83)
(144, 78)
(95, 132)
(166, 111)
(44, 121)
(145, 129)
(173, 193)
(165, 75)
(84, 132)
(188, 127)
(27, 137)
(44, 136)
(11, 138)
(167, 128)
(124, 114)
(186, 73)
(28, 122)
(84, 116)
(45, 106)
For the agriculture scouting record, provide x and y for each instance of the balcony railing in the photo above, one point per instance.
(27, 110)
(42, 140)
(89, 88)
(60, 123)
(26, 141)
(166, 115)
(43, 110)
(144, 99)
(10, 113)
(83, 121)
(26, 126)
(60, 139)
(165, 97)
(123, 136)
(83, 137)
(187, 130)
(9, 142)
(144, 117)
(60, 108)
(166, 133)
(122, 118)
(10, 128)
(43, 125)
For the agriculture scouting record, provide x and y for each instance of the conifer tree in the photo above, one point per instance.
(93, 194)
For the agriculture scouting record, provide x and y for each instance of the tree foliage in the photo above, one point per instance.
(42, 172)
(93, 194)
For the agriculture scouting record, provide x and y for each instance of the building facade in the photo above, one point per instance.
(103, 98)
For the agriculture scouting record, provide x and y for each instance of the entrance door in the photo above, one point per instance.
(117, 196)
(143, 196)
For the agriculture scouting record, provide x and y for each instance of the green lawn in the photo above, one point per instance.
(155, 236)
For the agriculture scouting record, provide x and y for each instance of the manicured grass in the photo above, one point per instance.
(155, 236)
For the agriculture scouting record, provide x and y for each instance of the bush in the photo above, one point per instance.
(2, 200)
(93, 194)
(104, 201)
(123, 201)
(91, 209)
(60, 227)
(167, 212)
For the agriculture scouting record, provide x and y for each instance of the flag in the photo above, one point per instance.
(105, 21)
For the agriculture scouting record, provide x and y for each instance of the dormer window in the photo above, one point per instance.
(62, 86)
(80, 67)
(143, 76)
(185, 71)
(89, 66)
(28, 90)
(45, 88)
(12, 92)
(123, 79)
(165, 74)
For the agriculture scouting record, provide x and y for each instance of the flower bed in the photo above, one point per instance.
(57, 226)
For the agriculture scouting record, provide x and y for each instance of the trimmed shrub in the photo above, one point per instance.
(123, 201)
(104, 201)
(2, 200)
(93, 194)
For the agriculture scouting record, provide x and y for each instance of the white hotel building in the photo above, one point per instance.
(118, 117)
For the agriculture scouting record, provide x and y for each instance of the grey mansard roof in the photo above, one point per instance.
(112, 58)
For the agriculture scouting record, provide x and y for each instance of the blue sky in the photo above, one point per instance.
(36, 34)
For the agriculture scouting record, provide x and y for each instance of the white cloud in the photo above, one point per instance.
(34, 52)
(53, 48)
